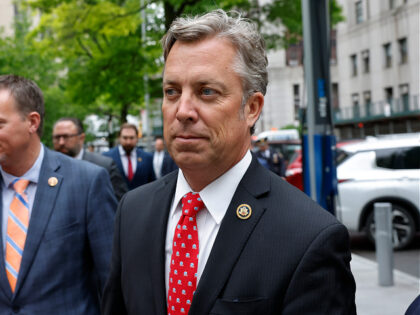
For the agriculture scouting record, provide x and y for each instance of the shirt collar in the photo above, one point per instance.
(79, 156)
(219, 193)
(32, 174)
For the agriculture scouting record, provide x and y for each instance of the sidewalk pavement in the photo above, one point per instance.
(373, 299)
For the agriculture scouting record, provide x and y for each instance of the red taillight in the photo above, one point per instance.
(343, 180)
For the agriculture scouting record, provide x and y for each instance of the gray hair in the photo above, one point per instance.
(251, 63)
(27, 96)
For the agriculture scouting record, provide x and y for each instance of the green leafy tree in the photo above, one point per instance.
(21, 56)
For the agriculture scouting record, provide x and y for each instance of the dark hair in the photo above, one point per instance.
(75, 121)
(27, 96)
(128, 126)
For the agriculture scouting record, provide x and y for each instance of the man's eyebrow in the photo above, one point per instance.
(170, 82)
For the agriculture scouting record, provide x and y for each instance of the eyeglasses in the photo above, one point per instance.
(56, 138)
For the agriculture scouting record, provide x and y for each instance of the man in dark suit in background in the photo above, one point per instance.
(134, 164)
(69, 138)
(223, 235)
(162, 161)
(273, 159)
(57, 215)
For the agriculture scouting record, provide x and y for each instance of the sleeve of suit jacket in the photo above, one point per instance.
(100, 223)
(118, 183)
(112, 300)
(322, 282)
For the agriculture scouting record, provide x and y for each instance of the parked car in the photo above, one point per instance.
(294, 171)
(381, 170)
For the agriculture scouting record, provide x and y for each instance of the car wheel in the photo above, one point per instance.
(403, 227)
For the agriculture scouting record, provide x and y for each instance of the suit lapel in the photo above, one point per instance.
(231, 238)
(162, 201)
(4, 284)
(44, 202)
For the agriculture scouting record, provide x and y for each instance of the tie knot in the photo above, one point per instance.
(191, 204)
(19, 185)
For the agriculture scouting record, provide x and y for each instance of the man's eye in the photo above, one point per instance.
(170, 92)
(208, 91)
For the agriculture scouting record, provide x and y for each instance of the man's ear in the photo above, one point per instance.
(34, 120)
(253, 108)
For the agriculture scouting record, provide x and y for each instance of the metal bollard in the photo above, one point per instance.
(383, 240)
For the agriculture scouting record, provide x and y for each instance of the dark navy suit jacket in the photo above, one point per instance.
(144, 172)
(289, 257)
(117, 180)
(168, 164)
(66, 257)
(414, 308)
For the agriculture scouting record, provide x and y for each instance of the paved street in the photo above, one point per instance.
(407, 260)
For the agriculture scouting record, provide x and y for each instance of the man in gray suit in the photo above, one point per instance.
(57, 215)
(69, 137)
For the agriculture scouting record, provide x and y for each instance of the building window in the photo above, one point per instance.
(294, 54)
(391, 4)
(367, 102)
(389, 95)
(359, 12)
(353, 59)
(387, 55)
(356, 108)
(366, 61)
(334, 96)
(405, 97)
(296, 100)
(402, 47)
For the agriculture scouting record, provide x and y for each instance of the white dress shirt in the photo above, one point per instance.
(157, 162)
(124, 160)
(216, 197)
(8, 192)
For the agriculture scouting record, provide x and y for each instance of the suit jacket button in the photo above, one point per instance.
(15, 309)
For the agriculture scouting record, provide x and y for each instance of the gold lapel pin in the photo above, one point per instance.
(243, 211)
(139, 159)
(52, 181)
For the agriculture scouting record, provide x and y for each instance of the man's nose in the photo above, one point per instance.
(187, 110)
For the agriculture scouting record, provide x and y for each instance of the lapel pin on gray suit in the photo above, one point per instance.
(57, 215)
(263, 246)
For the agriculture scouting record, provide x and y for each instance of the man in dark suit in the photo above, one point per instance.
(273, 159)
(162, 161)
(69, 138)
(57, 215)
(134, 164)
(223, 235)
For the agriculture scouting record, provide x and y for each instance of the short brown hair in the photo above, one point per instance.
(128, 126)
(26, 94)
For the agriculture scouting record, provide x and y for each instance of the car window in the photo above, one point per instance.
(340, 156)
(399, 158)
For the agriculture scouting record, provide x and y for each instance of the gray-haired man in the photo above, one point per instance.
(223, 235)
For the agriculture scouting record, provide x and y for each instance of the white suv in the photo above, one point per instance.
(381, 170)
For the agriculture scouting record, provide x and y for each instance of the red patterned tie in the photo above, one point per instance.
(129, 168)
(184, 260)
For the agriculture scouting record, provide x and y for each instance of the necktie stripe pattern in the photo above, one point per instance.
(184, 260)
(17, 227)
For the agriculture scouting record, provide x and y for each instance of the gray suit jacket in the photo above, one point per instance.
(290, 257)
(118, 182)
(66, 257)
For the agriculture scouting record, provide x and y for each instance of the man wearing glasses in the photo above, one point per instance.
(69, 137)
